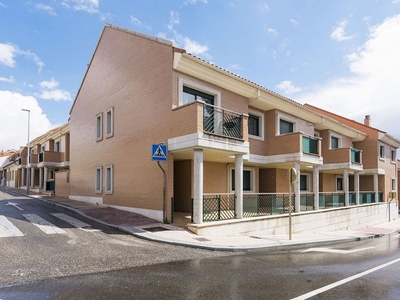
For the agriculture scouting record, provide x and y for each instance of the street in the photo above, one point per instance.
(97, 262)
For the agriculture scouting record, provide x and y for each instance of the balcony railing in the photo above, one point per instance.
(218, 207)
(266, 204)
(355, 156)
(331, 200)
(222, 122)
(51, 157)
(310, 145)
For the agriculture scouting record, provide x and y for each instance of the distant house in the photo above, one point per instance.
(230, 144)
(48, 153)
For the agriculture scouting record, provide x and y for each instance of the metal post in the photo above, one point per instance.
(29, 154)
(164, 194)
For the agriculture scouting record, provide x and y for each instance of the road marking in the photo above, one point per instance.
(75, 222)
(7, 228)
(43, 224)
(329, 250)
(14, 204)
(343, 281)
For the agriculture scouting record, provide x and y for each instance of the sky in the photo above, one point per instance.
(342, 56)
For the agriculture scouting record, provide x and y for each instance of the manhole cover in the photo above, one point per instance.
(154, 229)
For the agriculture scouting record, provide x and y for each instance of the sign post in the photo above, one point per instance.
(292, 178)
(159, 153)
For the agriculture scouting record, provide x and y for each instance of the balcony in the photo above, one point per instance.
(222, 122)
(295, 143)
(51, 157)
(350, 156)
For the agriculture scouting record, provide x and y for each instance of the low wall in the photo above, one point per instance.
(61, 187)
(334, 219)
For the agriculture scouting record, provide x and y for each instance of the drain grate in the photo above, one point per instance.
(201, 239)
(155, 229)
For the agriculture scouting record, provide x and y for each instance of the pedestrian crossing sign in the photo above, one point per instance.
(159, 152)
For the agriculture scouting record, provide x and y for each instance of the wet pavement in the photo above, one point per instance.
(146, 228)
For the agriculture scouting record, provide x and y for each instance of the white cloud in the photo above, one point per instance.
(372, 88)
(264, 7)
(136, 22)
(288, 88)
(338, 33)
(194, 47)
(15, 134)
(50, 92)
(49, 84)
(57, 95)
(192, 2)
(294, 22)
(10, 80)
(272, 31)
(46, 8)
(174, 20)
(7, 53)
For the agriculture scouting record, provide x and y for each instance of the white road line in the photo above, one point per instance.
(15, 205)
(343, 281)
(329, 250)
(43, 224)
(7, 228)
(74, 222)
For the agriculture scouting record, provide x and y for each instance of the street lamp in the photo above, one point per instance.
(29, 154)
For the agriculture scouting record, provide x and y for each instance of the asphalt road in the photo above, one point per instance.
(33, 254)
(106, 264)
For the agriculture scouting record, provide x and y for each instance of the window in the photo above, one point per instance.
(285, 127)
(109, 179)
(304, 182)
(256, 124)
(190, 95)
(334, 142)
(190, 91)
(43, 148)
(99, 127)
(381, 151)
(98, 179)
(394, 185)
(248, 180)
(110, 122)
(339, 183)
(57, 147)
(393, 155)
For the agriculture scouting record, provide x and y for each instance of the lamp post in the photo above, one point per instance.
(28, 156)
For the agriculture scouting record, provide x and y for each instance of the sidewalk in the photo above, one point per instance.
(143, 227)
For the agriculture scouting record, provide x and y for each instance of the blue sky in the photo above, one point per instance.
(342, 55)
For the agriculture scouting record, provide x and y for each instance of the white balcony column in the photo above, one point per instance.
(357, 187)
(45, 171)
(32, 171)
(376, 187)
(238, 186)
(297, 188)
(40, 178)
(346, 187)
(316, 186)
(23, 176)
(198, 187)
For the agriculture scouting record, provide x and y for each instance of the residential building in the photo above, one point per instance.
(230, 144)
(49, 153)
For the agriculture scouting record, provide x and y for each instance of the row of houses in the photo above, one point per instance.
(229, 145)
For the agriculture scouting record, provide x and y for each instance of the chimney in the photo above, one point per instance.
(367, 120)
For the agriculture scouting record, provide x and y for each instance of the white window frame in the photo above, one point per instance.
(336, 185)
(379, 151)
(109, 125)
(260, 116)
(109, 177)
(98, 180)
(287, 118)
(307, 183)
(393, 155)
(99, 126)
(393, 184)
(338, 137)
(252, 179)
(199, 87)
